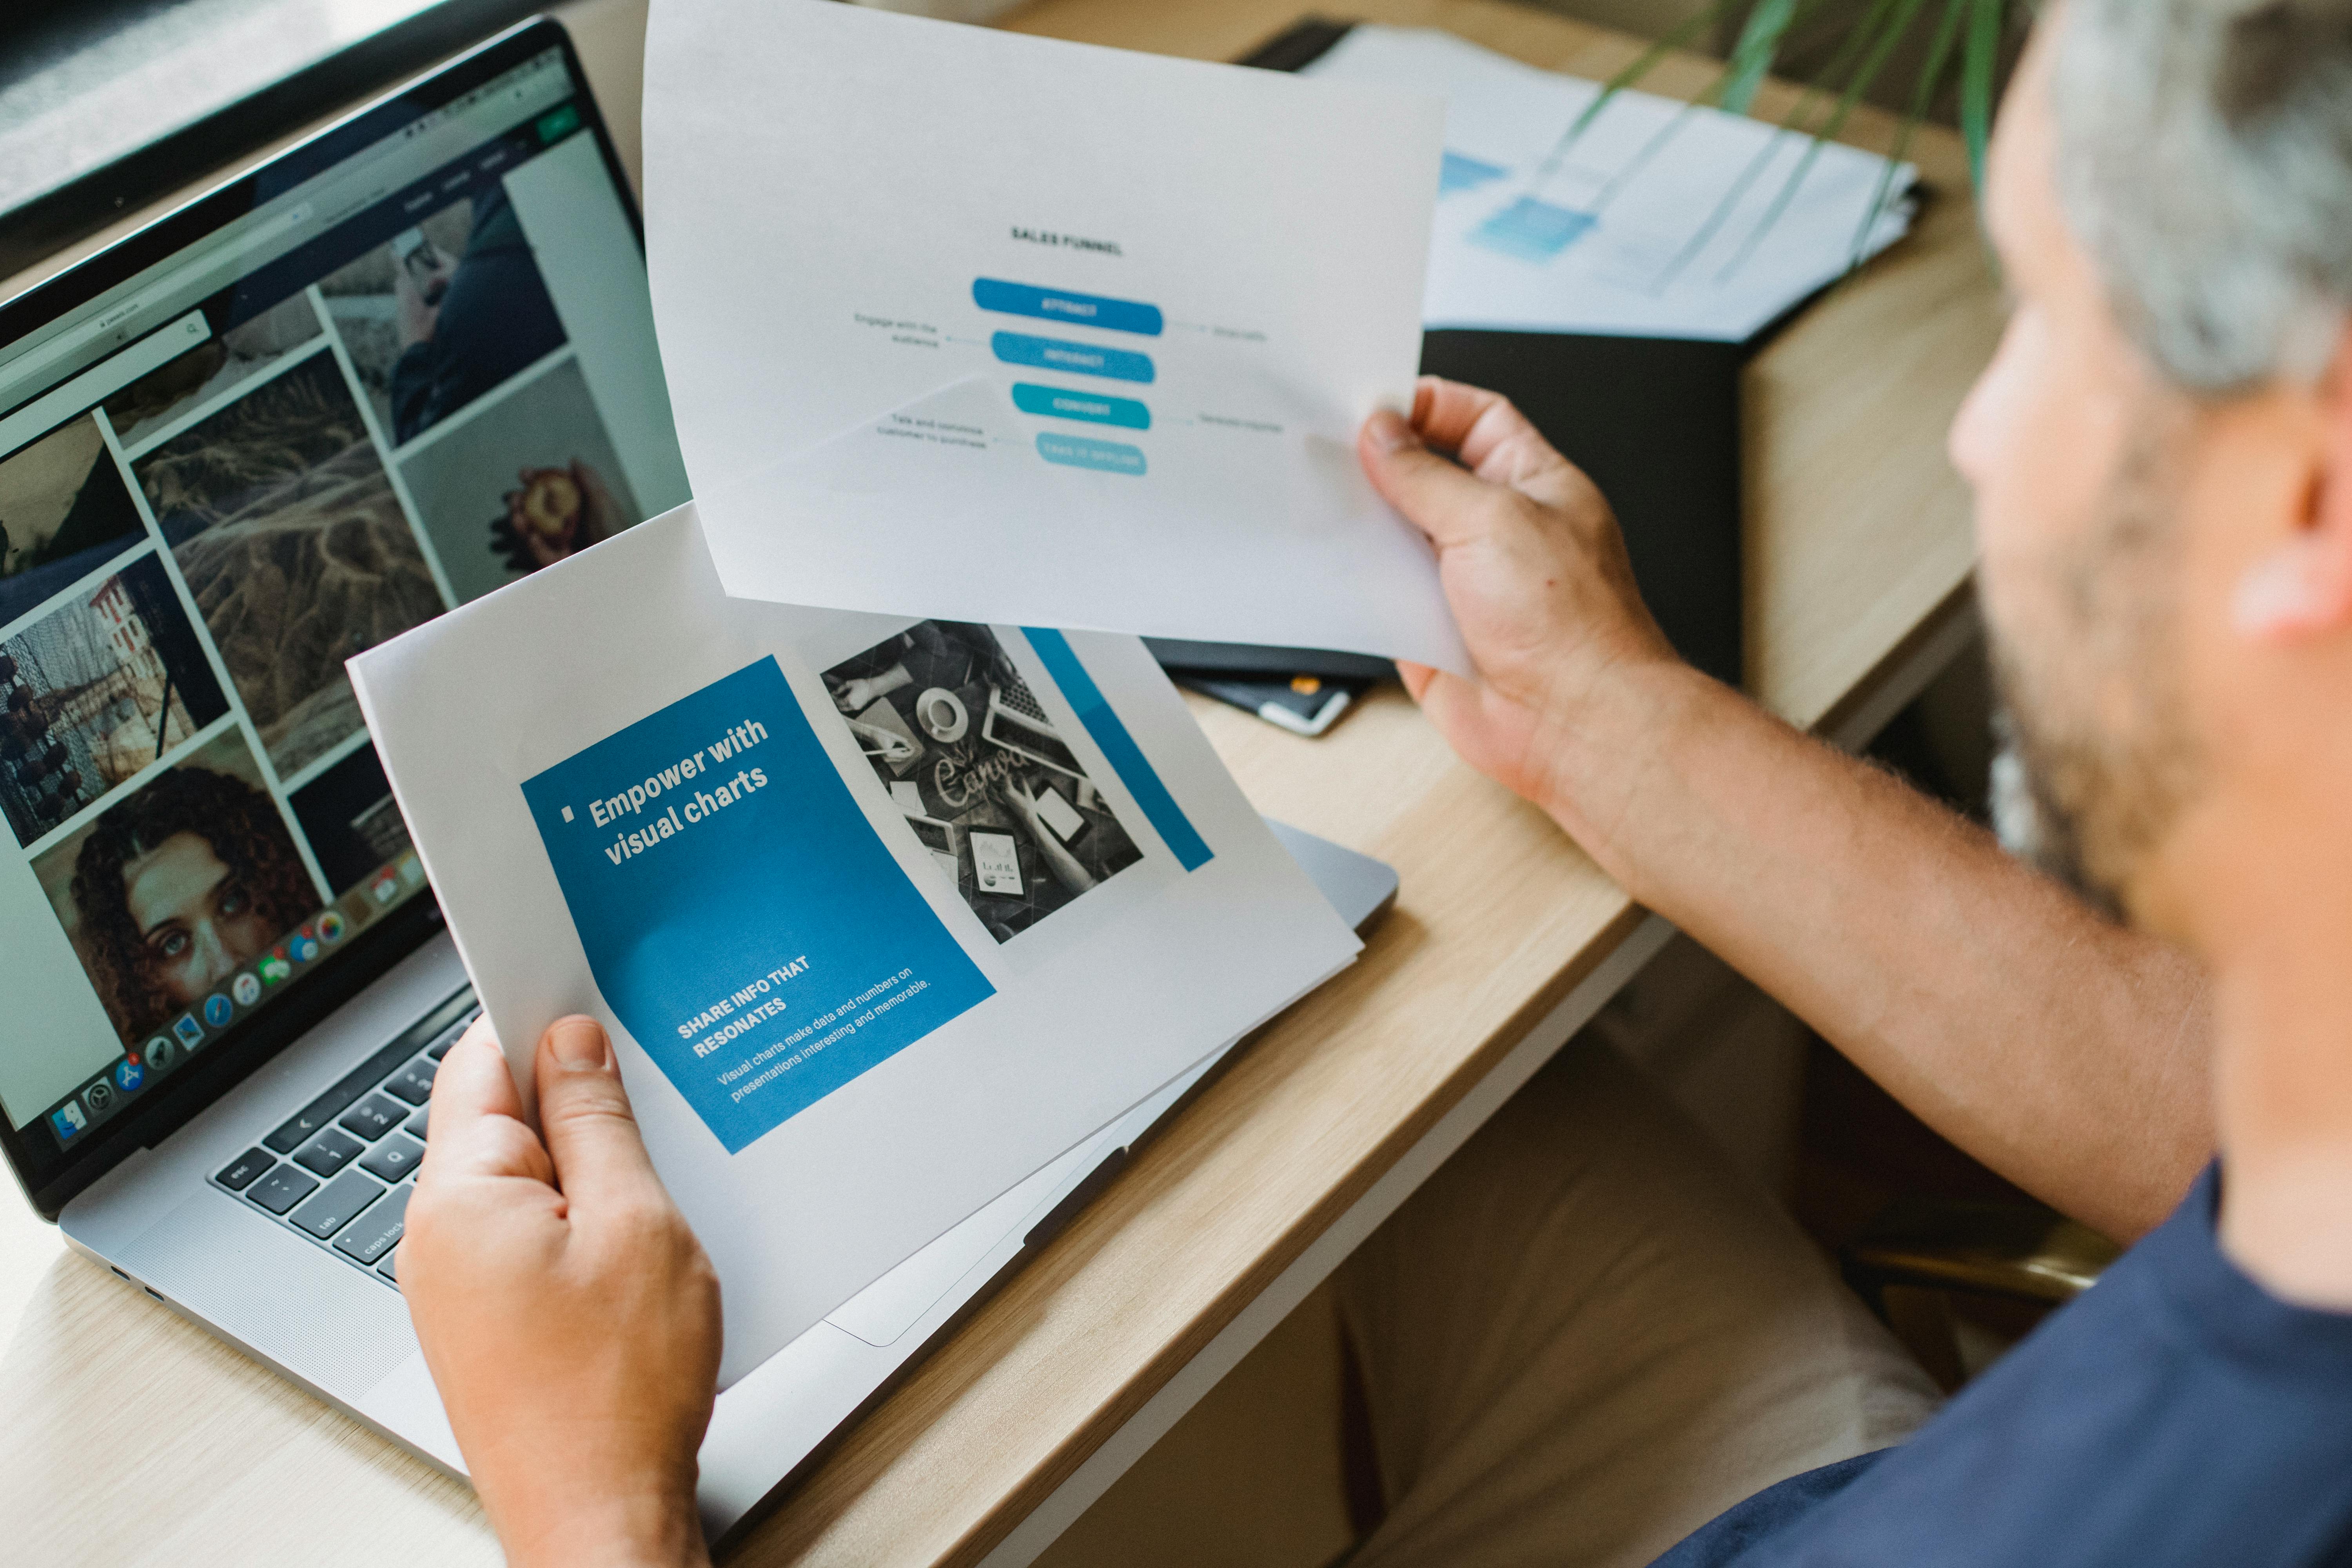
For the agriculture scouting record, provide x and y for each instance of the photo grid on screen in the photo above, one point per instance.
(185, 564)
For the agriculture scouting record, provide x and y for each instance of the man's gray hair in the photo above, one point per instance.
(2205, 160)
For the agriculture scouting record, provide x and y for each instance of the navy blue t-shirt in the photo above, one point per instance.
(2176, 1413)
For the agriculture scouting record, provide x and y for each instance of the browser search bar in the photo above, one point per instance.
(128, 316)
(100, 381)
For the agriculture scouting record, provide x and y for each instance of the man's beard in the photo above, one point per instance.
(2033, 824)
(2096, 762)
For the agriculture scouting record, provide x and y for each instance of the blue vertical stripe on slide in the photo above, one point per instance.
(1127, 758)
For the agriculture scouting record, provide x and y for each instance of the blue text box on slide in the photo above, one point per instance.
(1077, 359)
(1094, 407)
(739, 913)
(1083, 452)
(1063, 305)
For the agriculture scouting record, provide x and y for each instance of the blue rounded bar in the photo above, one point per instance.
(1062, 305)
(1078, 358)
(1095, 407)
(1085, 452)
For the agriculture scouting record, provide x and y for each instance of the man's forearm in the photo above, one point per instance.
(2066, 1053)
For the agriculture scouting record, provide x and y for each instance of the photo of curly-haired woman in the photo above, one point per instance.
(169, 893)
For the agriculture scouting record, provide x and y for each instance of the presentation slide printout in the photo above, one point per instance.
(974, 324)
(882, 913)
(714, 865)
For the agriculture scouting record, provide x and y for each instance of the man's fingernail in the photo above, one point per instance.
(577, 1044)
(1389, 432)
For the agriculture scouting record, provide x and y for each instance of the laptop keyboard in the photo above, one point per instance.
(337, 1171)
(1016, 695)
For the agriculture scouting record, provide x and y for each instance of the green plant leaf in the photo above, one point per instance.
(1849, 50)
(1985, 23)
(1647, 61)
(1642, 65)
(1863, 47)
(1665, 134)
(1752, 57)
(1923, 97)
(1892, 20)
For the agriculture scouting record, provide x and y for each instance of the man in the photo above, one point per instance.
(2162, 457)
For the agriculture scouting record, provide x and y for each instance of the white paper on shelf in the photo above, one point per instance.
(1657, 220)
(528, 733)
(968, 323)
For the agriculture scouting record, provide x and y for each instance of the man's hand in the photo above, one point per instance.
(2066, 1055)
(569, 1316)
(1534, 567)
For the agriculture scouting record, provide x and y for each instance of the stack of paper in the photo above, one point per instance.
(991, 335)
(881, 914)
(1655, 219)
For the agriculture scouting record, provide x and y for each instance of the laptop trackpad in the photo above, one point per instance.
(406, 1404)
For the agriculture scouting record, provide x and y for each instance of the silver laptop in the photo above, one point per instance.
(397, 366)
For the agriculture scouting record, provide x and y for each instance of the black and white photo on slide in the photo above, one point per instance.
(980, 772)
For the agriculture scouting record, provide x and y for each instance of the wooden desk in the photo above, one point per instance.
(133, 1436)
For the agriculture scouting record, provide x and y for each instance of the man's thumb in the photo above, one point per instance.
(584, 1116)
(1439, 497)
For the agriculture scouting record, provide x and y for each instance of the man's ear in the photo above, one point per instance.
(2303, 587)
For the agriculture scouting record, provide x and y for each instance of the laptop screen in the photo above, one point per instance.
(417, 366)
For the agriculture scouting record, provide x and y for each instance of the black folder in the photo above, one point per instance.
(1654, 421)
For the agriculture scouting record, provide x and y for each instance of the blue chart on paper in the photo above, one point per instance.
(1533, 230)
(1460, 172)
(739, 913)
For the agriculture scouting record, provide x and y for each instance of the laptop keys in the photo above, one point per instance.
(347, 1089)
(374, 1117)
(378, 1231)
(320, 1112)
(312, 1117)
(282, 1189)
(239, 1173)
(414, 1083)
(393, 1158)
(454, 1032)
(364, 1136)
(337, 1204)
(328, 1152)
